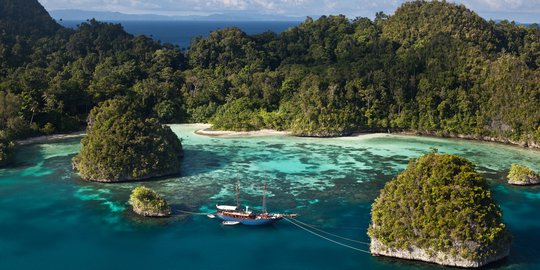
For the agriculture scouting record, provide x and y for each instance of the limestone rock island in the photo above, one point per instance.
(522, 176)
(148, 203)
(122, 145)
(439, 210)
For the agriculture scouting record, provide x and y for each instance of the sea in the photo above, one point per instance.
(52, 219)
(181, 33)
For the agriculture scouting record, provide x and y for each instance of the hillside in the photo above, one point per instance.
(416, 24)
(26, 17)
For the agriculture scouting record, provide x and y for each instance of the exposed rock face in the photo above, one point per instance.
(414, 253)
(439, 210)
(525, 181)
(151, 213)
(522, 176)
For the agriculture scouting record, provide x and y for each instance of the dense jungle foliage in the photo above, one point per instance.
(439, 203)
(432, 67)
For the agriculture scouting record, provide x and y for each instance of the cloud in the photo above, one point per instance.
(510, 9)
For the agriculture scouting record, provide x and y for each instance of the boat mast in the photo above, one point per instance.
(264, 197)
(237, 203)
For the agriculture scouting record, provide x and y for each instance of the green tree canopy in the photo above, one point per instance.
(122, 144)
(440, 203)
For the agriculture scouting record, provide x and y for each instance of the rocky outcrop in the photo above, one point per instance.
(439, 210)
(148, 203)
(103, 178)
(418, 254)
(151, 213)
(522, 176)
(525, 181)
(124, 145)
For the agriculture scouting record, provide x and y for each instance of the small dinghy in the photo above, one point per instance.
(211, 216)
(230, 223)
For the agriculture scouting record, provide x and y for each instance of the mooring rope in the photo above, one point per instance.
(326, 238)
(193, 213)
(331, 234)
(336, 227)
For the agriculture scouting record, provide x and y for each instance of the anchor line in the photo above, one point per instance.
(192, 213)
(326, 238)
(331, 234)
(337, 227)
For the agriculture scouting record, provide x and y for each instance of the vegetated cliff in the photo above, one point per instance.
(439, 210)
(122, 145)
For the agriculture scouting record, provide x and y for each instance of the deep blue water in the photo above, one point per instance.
(182, 32)
(51, 219)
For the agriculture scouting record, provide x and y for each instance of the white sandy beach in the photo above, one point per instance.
(51, 138)
(207, 131)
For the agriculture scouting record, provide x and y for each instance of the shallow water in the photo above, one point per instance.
(50, 219)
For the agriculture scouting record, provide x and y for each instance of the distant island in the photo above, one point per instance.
(83, 15)
(432, 68)
(439, 210)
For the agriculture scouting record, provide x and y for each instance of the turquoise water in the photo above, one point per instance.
(50, 219)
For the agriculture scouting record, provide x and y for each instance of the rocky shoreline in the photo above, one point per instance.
(148, 213)
(128, 178)
(379, 249)
(208, 131)
(226, 133)
(528, 181)
(524, 144)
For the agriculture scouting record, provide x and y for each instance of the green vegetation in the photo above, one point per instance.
(439, 203)
(6, 152)
(147, 202)
(432, 67)
(122, 145)
(522, 175)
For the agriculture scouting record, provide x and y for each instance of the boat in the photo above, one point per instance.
(230, 223)
(245, 216)
(211, 216)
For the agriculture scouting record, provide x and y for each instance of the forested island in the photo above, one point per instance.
(439, 210)
(431, 68)
(122, 145)
(148, 203)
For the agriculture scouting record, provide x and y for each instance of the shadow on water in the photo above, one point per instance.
(199, 161)
(524, 246)
(31, 155)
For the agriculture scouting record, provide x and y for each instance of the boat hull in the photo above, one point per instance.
(250, 221)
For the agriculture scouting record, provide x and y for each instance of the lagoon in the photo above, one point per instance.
(51, 219)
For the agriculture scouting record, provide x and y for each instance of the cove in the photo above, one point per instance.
(51, 219)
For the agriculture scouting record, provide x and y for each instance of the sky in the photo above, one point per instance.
(525, 11)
